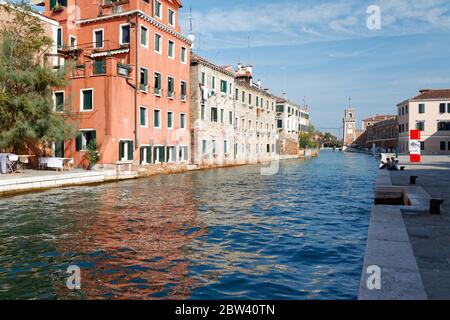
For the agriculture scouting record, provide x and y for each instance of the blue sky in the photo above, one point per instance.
(325, 51)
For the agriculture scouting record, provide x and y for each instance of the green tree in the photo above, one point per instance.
(306, 139)
(26, 104)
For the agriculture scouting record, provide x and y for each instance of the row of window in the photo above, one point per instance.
(211, 147)
(158, 12)
(148, 154)
(152, 154)
(420, 125)
(445, 145)
(157, 119)
(157, 85)
(244, 97)
(124, 39)
(87, 104)
(443, 108)
(214, 115)
(225, 86)
(86, 100)
(218, 116)
(292, 111)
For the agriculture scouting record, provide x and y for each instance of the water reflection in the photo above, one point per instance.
(227, 233)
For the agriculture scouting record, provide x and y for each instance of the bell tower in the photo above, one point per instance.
(349, 125)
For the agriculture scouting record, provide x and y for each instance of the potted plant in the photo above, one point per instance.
(93, 155)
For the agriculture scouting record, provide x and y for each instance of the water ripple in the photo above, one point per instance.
(218, 234)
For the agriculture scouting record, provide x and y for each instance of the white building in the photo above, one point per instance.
(212, 114)
(428, 112)
(256, 134)
(291, 119)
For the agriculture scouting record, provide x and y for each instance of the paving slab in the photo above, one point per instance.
(430, 234)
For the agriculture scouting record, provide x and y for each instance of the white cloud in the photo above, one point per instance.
(277, 24)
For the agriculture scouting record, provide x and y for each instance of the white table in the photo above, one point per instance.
(56, 163)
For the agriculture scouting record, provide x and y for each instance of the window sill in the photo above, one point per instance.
(125, 162)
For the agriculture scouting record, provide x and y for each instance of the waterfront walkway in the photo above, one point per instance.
(429, 234)
(32, 180)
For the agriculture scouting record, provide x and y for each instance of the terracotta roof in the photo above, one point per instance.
(430, 94)
(379, 117)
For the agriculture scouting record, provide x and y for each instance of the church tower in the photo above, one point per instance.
(349, 124)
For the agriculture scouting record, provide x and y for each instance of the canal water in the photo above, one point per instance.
(217, 234)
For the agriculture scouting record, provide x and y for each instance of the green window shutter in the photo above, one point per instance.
(182, 121)
(63, 3)
(79, 141)
(162, 154)
(59, 149)
(121, 150)
(130, 150)
(145, 77)
(59, 101)
(169, 120)
(59, 38)
(52, 4)
(143, 117)
(149, 155)
(223, 86)
(143, 36)
(100, 66)
(87, 100)
(141, 158)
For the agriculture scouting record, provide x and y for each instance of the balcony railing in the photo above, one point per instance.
(123, 70)
(113, 7)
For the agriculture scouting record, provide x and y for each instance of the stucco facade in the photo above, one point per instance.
(256, 134)
(129, 85)
(291, 119)
(430, 113)
(212, 114)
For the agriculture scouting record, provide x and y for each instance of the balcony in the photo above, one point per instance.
(111, 7)
(79, 70)
(123, 70)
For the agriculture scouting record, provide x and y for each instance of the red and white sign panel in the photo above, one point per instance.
(414, 146)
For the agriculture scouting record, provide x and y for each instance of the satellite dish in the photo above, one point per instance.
(191, 38)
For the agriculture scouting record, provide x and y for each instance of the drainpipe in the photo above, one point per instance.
(136, 56)
(136, 141)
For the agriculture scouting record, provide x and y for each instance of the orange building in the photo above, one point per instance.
(129, 80)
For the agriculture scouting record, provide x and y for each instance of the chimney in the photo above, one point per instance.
(244, 73)
(424, 90)
(259, 83)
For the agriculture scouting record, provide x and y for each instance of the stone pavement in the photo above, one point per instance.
(430, 235)
(35, 180)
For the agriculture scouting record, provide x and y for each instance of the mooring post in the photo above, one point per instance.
(412, 179)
